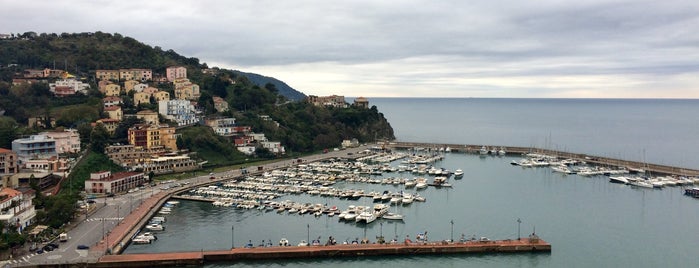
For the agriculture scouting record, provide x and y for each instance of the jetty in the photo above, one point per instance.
(515, 150)
(525, 245)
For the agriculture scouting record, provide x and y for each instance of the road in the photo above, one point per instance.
(93, 227)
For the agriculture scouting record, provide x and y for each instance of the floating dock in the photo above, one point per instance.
(527, 245)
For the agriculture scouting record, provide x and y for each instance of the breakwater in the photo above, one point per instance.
(515, 150)
(532, 244)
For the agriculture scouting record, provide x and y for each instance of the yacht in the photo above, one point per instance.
(410, 183)
(618, 179)
(458, 174)
(366, 217)
(407, 199)
(155, 227)
(483, 151)
(421, 183)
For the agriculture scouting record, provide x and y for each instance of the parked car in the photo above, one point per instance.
(83, 247)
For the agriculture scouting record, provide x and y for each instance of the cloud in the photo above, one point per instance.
(415, 48)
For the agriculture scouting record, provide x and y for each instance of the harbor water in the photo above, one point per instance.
(589, 221)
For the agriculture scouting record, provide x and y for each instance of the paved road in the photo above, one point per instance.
(93, 228)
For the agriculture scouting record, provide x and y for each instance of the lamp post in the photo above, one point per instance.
(452, 230)
(232, 236)
(308, 234)
(519, 222)
(381, 229)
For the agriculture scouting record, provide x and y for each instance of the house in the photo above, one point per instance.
(259, 137)
(169, 164)
(114, 112)
(220, 104)
(148, 117)
(242, 141)
(42, 179)
(247, 150)
(62, 91)
(186, 90)
(108, 123)
(129, 85)
(161, 96)
(129, 155)
(180, 111)
(8, 162)
(328, 101)
(140, 87)
(150, 136)
(74, 84)
(104, 182)
(175, 72)
(111, 90)
(34, 147)
(112, 101)
(16, 209)
(104, 75)
(361, 102)
(273, 146)
(141, 97)
(222, 126)
(67, 141)
(136, 74)
(51, 165)
(33, 73)
(42, 122)
(350, 143)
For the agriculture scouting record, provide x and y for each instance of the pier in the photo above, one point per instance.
(590, 159)
(528, 245)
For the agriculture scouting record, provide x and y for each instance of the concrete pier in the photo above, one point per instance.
(654, 169)
(353, 250)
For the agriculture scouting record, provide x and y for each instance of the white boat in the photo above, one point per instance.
(350, 215)
(140, 240)
(155, 227)
(407, 199)
(283, 242)
(618, 179)
(173, 202)
(483, 151)
(160, 219)
(410, 183)
(303, 243)
(421, 183)
(502, 151)
(641, 184)
(458, 173)
(392, 216)
(366, 217)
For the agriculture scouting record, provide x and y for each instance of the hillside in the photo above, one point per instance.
(263, 103)
(82, 53)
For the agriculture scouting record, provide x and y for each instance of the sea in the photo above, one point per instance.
(589, 221)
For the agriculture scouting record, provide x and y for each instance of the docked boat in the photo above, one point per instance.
(140, 240)
(693, 192)
(410, 183)
(350, 215)
(641, 184)
(303, 243)
(421, 183)
(155, 227)
(283, 242)
(392, 216)
(618, 179)
(407, 199)
(365, 217)
(483, 150)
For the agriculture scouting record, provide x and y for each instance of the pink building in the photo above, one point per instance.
(67, 141)
(175, 72)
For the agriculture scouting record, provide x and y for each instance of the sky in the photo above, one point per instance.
(412, 48)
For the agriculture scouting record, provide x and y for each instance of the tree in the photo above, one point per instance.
(99, 137)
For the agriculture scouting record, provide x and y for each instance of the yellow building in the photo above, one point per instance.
(141, 97)
(129, 85)
(114, 112)
(107, 75)
(151, 136)
(148, 117)
(109, 124)
(161, 95)
(112, 90)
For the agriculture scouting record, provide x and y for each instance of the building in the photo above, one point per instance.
(141, 97)
(273, 146)
(60, 86)
(136, 74)
(350, 143)
(169, 164)
(148, 117)
(105, 182)
(107, 75)
(8, 162)
(109, 124)
(220, 104)
(175, 72)
(361, 102)
(180, 111)
(186, 90)
(151, 136)
(161, 96)
(111, 90)
(114, 112)
(130, 155)
(16, 209)
(63, 91)
(112, 101)
(52, 165)
(43, 179)
(67, 141)
(34, 147)
(140, 87)
(222, 126)
(328, 101)
(247, 150)
(129, 85)
(33, 73)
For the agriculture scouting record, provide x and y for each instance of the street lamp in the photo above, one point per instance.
(232, 236)
(519, 222)
(452, 230)
(308, 234)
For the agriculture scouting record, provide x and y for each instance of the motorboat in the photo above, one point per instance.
(392, 216)
(303, 243)
(421, 183)
(155, 227)
(350, 215)
(458, 174)
(283, 242)
(483, 150)
(366, 217)
(410, 183)
(140, 240)
(618, 179)
(407, 199)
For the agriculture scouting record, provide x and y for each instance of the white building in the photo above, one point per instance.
(259, 137)
(222, 126)
(34, 147)
(105, 182)
(273, 146)
(180, 111)
(76, 85)
(16, 209)
(140, 87)
(248, 150)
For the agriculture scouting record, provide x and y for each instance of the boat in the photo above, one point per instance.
(618, 179)
(421, 183)
(157, 218)
(458, 174)
(366, 217)
(440, 182)
(283, 242)
(641, 184)
(173, 202)
(502, 151)
(350, 215)
(693, 192)
(410, 183)
(303, 243)
(392, 216)
(147, 235)
(407, 199)
(140, 240)
(483, 151)
(155, 227)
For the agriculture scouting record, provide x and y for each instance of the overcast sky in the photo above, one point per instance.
(414, 48)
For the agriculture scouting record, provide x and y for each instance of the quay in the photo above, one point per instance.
(515, 150)
(528, 245)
